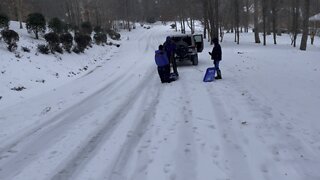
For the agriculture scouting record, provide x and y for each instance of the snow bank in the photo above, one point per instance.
(38, 73)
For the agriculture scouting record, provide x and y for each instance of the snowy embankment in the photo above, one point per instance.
(119, 122)
(38, 73)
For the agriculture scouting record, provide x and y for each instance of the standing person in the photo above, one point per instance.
(312, 37)
(170, 49)
(216, 56)
(163, 65)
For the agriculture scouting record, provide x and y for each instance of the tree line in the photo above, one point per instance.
(265, 17)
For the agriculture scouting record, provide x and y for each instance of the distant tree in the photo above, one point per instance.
(97, 29)
(36, 23)
(237, 20)
(19, 12)
(4, 21)
(295, 10)
(305, 33)
(11, 38)
(264, 20)
(67, 41)
(274, 10)
(86, 28)
(256, 22)
(56, 25)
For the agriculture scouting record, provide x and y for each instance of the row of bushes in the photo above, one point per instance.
(59, 34)
(54, 40)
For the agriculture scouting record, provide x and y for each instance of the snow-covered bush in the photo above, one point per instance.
(100, 38)
(67, 41)
(44, 49)
(97, 29)
(25, 49)
(11, 38)
(113, 34)
(67, 27)
(36, 23)
(83, 41)
(4, 21)
(86, 28)
(151, 20)
(53, 42)
(56, 25)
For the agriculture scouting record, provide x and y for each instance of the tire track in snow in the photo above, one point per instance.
(232, 147)
(97, 94)
(186, 150)
(269, 123)
(119, 166)
(103, 134)
(46, 133)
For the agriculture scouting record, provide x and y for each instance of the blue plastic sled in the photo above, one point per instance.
(210, 74)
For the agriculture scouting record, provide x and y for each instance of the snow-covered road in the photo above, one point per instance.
(119, 122)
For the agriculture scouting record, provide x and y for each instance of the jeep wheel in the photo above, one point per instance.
(194, 60)
(182, 49)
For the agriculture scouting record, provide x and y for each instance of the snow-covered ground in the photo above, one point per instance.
(119, 122)
(39, 73)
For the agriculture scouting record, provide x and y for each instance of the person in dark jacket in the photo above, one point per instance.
(216, 56)
(170, 49)
(163, 64)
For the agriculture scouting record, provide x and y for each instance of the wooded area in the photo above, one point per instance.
(269, 17)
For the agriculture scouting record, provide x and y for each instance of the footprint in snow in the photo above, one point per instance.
(264, 169)
(167, 168)
(212, 127)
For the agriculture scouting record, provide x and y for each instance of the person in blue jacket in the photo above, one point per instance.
(216, 56)
(170, 49)
(163, 64)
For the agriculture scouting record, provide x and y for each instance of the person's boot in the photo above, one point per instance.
(218, 75)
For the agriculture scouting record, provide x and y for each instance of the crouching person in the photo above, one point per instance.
(163, 65)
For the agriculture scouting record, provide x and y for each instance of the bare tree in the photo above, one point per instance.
(264, 20)
(237, 21)
(306, 14)
(295, 4)
(274, 10)
(256, 22)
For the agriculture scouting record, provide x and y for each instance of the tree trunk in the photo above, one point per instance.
(20, 13)
(216, 27)
(237, 21)
(247, 16)
(205, 16)
(304, 39)
(264, 19)
(295, 21)
(274, 19)
(176, 28)
(37, 34)
(211, 21)
(256, 23)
